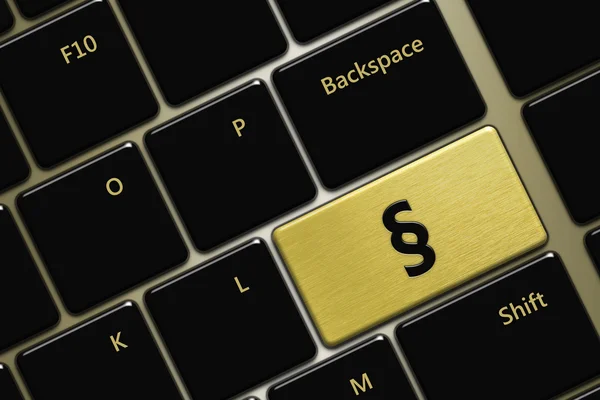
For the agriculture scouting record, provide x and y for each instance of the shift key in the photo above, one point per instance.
(379, 93)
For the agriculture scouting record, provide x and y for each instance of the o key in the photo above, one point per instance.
(410, 236)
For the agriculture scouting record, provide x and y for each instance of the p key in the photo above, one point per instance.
(379, 93)
(102, 228)
(510, 339)
(231, 324)
(409, 236)
(112, 356)
(73, 83)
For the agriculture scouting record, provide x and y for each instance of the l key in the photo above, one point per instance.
(112, 356)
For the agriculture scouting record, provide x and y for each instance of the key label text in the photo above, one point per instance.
(88, 42)
(529, 305)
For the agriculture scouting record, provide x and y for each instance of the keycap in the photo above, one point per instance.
(593, 395)
(8, 388)
(509, 339)
(559, 38)
(560, 124)
(309, 19)
(26, 307)
(32, 9)
(202, 44)
(409, 236)
(241, 151)
(6, 17)
(13, 167)
(370, 370)
(230, 324)
(111, 356)
(102, 228)
(379, 93)
(89, 90)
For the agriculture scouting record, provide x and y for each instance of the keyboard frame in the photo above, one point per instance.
(504, 112)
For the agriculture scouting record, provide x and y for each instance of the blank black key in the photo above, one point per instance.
(201, 44)
(240, 150)
(6, 17)
(231, 324)
(592, 395)
(32, 9)
(13, 167)
(311, 18)
(370, 370)
(8, 388)
(112, 356)
(26, 307)
(510, 339)
(379, 93)
(561, 124)
(102, 228)
(536, 42)
(90, 88)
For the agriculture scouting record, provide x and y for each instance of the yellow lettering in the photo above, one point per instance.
(350, 76)
(88, 42)
(417, 46)
(81, 54)
(518, 312)
(238, 125)
(374, 68)
(119, 185)
(90, 38)
(117, 342)
(342, 82)
(396, 56)
(363, 388)
(504, 315)
(404, 51)
(66, 54)
(239, 285)
(388, 62)
(328, 83)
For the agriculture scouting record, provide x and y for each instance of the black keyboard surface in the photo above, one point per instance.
(6, 17)
(89, 89)
(344, 99)
(32, 9)
(13, 167)
(8, 388)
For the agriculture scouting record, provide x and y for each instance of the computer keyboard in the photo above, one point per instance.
(275, 199)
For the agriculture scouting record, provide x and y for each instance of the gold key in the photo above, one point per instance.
(410, 236)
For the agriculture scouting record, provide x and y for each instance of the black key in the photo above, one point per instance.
(8, 388)
(6, 17)
(510, 339)
(593, 395)
(410, 88)
(26, 307)
(561, 124)
(13, 167)
(536, 42)
(201, 44)
(309, 19)
(371, 370)
(89, 90)
(241, 151)
(112, 356)
(231, 324)
(102, 228)
(32, 9)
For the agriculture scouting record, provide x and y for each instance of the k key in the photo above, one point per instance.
(379, 93)
(370, 371)
(509, 339)
(231, 324)
(8, 388)
(6, 17)
(241, 151)
(111, 356)
(13, 167)
(102, 228)
(73, 83)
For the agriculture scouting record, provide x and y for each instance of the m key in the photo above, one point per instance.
(82, 363)
(410, 236)
(510, 339)
(102, 228)
(73, 83)
(379, 93)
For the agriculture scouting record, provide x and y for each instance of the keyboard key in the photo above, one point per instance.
(561, 124)
(379, 93)
(593, 395)
(201, 44)
(244, 158)
(89, 90)
(559, 39)
(6, 17)
(13, 167)
(26, 307)
(510, 339)
(309, 19)
(370, 370)
(8, 388)
(410, 236)
(102, 228)
(112, 356)
(32, 9)
(231, 324)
